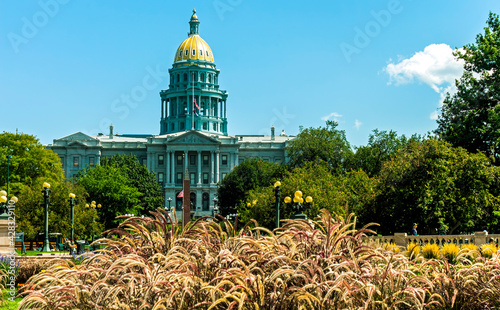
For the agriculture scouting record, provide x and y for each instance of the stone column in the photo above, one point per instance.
(167, 169)
(400, 239)
(212, 167)
(218, 166)
(172, 163)
(199, 168)
(480, 238)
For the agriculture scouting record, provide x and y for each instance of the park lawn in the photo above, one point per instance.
(9, 305)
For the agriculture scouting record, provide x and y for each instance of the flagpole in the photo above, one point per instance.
(192, 104)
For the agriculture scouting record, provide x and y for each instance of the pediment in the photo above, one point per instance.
(77, 136)
(194, 138)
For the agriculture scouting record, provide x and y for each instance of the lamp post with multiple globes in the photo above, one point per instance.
(46, 199)
(93, 206)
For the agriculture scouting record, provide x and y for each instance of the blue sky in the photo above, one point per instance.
(67, 65)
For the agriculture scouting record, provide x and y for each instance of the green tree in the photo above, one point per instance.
(250, 174)
(111, 187)
(141, 178)
(30, 161)
(382, 145)
(337, 194)
(444, 189)
(471, 117)
(30, 211)
(326, 144)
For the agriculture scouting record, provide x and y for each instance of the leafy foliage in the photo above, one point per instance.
(324, 144)
(471, 117)
(141, 178)
(440, 187)
(382, 145)
(336, 194)
(30, 161)
(250, 174)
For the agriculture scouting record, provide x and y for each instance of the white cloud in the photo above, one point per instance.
(357, 124)
(333, 115)
(434, 115)
(435, 66)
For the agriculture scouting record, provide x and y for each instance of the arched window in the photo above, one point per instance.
(186, 53)
(185, 77)
(202, 77)
(178, 78)
(184, 108)
(194, 52)
(209, 78)
(204, 202)
(178, 202)
(193, 201)
(180, 53)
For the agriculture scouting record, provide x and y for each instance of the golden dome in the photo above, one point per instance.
(194, 48)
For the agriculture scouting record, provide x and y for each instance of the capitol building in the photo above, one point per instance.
(193, 133)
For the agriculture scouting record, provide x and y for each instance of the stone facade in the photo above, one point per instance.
(193, 133)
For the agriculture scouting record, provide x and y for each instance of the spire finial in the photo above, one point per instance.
(193, 24)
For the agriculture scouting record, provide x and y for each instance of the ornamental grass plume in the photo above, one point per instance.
(470, 250)
(391, 246)
(430, 251)
(151, 263)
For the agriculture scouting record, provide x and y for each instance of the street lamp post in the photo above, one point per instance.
(5, 204)
(215, 210)
(298, 205)
(8, 170)
(277, 193)
(46, 197)
(169, 201)
(93, 206)
(72, 204)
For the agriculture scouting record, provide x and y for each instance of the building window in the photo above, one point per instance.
(161, 160)
(180, 53)
(192, 160)
(194, 52)
(205, 125)
(192, 178)
(215, 126)
(223, 175)
(186, 53)
(202, 77)
(192, 198)
(91, 161)
(160, 178)
(144, 161)
(178, 78)
(207, 53)
(178, 202)
(183, 126)
(62, 162)
(209, 78)
(185, 77)
(204, 202)
(205, 178)
(205, 160)
(178, 180)
(173, 126)
(201, 53)
(179, 160)
(224, 160)
(76, 161)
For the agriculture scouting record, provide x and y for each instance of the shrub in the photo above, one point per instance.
(450, 252)
(470, 250)
(430, 251)
(412, 250)
(391, 246)
(488, 249)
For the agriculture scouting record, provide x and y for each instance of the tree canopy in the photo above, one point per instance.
(444, 189)
(326, 144)
(471, 117)
(116, 184)
(250, 174)
(30, 161)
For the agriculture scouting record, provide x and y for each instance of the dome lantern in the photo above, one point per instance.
(194, 24)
